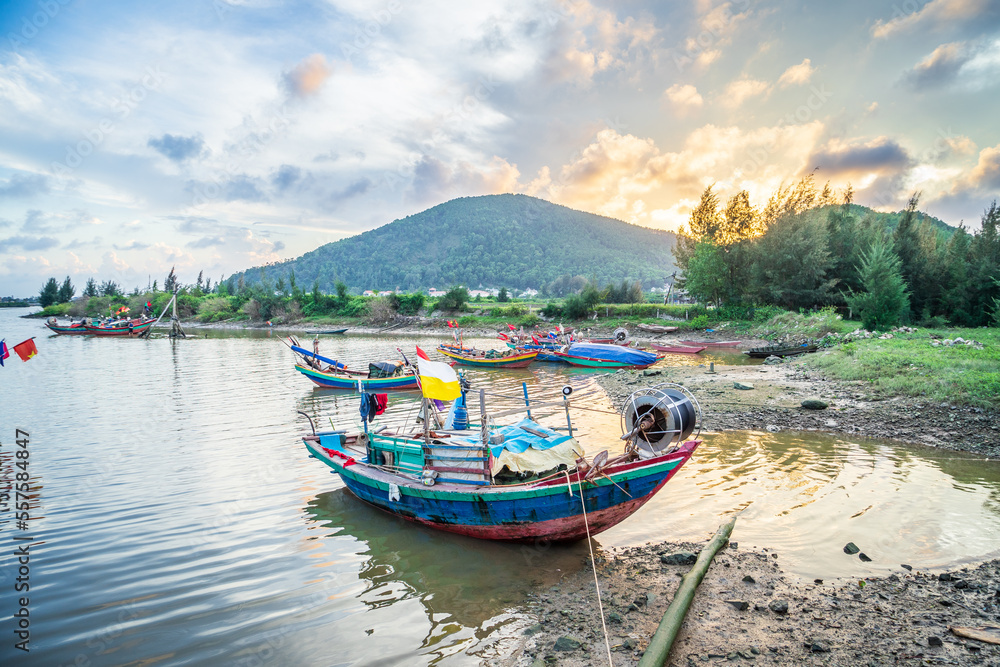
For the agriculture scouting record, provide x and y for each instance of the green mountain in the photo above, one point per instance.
(513, 241)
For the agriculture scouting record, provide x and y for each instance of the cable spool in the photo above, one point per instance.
(620, 334)
(659, 418)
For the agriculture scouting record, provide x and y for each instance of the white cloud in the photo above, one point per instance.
(936, 13)
(684, 97)
(797, 75)
(740, 90)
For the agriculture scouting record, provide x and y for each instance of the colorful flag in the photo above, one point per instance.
(438, 380)
(421, 354)
(4, 352)
(503, 336)
(511, 327)
(452, 324)
(26, 350)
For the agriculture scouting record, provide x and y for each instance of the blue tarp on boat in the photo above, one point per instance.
(619, 353)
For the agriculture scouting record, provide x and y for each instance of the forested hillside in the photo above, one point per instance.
(513, 241)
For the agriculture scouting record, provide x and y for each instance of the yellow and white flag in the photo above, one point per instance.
(437, 379)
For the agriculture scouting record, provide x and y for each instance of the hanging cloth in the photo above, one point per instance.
(381, 402)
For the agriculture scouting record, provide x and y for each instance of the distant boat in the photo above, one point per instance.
(708, 343)
(677, 349)
(546, 351)
(656, 328)
(602, 355)
(328, 331)
(517, 358)
(120, 328)
(779, 351)
(74, 328)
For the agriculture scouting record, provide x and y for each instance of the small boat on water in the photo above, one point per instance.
(327, 331)
(73, 328)
(121, 328)
(602, 355)
(515, 358)
(677, 349)
(712, 343)
(546, 351)
(516, 483)
(779, 351)
(381, 376)
(656, 328)
(331, 374)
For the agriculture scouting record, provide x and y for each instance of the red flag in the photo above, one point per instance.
(503, 336)
(452, 324)
(422, 354)
(534, 339)
(26, 350)
(511, 327)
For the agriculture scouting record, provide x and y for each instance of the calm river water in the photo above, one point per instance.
(176, 518)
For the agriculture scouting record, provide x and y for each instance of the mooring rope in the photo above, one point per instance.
(593, 564)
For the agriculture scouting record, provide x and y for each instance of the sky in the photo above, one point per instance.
(217, 135)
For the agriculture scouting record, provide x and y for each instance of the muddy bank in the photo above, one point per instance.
(747, 611)
(775, 403)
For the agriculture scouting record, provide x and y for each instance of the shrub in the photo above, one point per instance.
(530, 320)
(551, 309)
(252, 310)
(214, 309)
(380, 311)
(410, 304)
(454, 299)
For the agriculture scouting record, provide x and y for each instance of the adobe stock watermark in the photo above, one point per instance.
(34, 22)
(249, 147)
(817, 99)
(122, 107)
(887, 197)
(710, 35)
(366, 34)
(459, 113)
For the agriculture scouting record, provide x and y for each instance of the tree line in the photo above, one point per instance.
(808, 249)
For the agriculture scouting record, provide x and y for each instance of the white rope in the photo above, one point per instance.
(593, 563)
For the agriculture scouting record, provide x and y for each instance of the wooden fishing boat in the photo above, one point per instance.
(359, 380)
(711, 343)
(779, 351)
(656, 328)
(602, 355)
(73, 328)
(676, 349)
(448, 479)
(516, 358)
(327, 331)
(546, 349)
(121, 328)
(332, 374)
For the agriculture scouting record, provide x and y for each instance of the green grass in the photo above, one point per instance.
(908, 365)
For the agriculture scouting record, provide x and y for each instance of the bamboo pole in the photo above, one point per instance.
(661, 643)
(145, 334)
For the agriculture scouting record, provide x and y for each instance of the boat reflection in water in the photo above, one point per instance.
(467, 587)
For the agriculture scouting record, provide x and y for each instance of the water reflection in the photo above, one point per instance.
(463, 584)
(807, 494)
